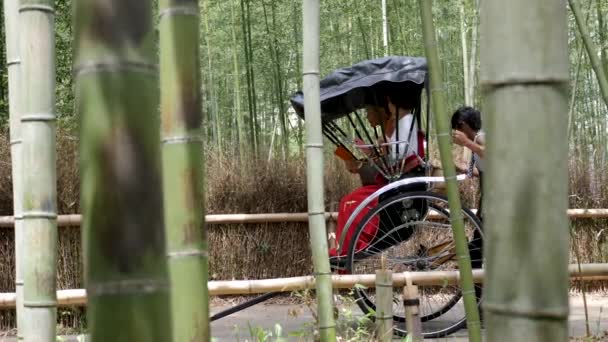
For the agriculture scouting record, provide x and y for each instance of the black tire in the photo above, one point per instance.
(398, 237)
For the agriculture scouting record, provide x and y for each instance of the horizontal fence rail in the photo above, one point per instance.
(78, 297)
(75, 220)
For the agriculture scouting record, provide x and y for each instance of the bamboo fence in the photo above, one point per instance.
(74, 220)
(77, 297)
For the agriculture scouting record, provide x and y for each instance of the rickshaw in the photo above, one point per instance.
(405, 223)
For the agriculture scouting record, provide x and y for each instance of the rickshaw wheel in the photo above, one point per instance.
(413, 233)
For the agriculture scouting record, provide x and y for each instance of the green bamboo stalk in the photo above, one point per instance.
(602, 28)
(527, 65)
(314, 169)
(183, 182)
(445, 149)
(592, 50)
(123, 242)
(37, 53)
(11, 22)
(236, 78)
(574, 89)
(256, 126)
(215, 126)
(249, 75)
(465, 52)
(384, 305)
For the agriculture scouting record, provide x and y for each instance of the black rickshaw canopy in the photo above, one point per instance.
(347, 90)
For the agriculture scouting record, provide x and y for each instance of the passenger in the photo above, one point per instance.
(394, 113)
(384, 113)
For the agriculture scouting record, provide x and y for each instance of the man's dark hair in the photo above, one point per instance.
(468, 115)
(404, 96)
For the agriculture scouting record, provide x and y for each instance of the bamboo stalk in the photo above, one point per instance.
(465, 53)
(602, 28)
(384, 28)
(183, 183)
(445, 149)
(123, 241)
(37, 53)
(384, 305)
(236, 77)
(587, 272)
(592, 51)
(411, 302)
(11, 22)
(574, 89)
(526, 229)
(314, 170)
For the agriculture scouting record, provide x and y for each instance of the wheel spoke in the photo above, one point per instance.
(409, 242)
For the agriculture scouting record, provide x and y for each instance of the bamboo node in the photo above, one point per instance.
(39, 303)
(182, 139)
(314, 145)
(39, 215)
(327, 327)
(15, 141)
(384, 285)
(182, 10)
(199, 253)
(115, 66)
(463, 257)
(45, 117)
(525, 81)
(138, 286)
(42, 8)
(506, 310)
(13, 62)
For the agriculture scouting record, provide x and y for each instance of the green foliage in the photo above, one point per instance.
(351, 31)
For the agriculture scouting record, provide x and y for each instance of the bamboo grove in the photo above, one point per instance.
(262, 51)
(229, 92)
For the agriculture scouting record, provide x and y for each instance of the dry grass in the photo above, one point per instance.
(262, 250)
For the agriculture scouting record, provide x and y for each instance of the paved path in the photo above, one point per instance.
(298, 318)
(294, 318)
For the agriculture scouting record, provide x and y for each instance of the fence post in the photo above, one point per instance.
(384, 307)
(411, 303)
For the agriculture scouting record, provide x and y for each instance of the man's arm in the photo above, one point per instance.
(477, 147)
(461, 139)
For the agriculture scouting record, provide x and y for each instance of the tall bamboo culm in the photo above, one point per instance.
(600, 73)
(525, 79)
(37, 54)
(443, 137)
(314, 170)
(11, 21)
(182, 157)
(123, 239)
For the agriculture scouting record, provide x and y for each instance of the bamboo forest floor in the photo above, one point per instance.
(295, 318)
(260, 320)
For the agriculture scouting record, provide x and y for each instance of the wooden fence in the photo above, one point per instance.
(75, 220)
(77, 297)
